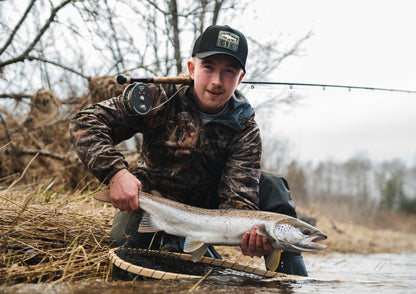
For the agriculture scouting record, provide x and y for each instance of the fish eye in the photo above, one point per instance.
(307, 232)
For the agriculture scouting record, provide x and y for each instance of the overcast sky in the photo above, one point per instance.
(358, 43)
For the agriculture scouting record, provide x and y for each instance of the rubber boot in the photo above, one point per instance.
(291, 263)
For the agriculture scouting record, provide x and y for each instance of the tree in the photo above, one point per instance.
(275, 155)
(390, 181)
(408, 205)
(63, 45)
(297, 179)
(357, 175)
(392, 194)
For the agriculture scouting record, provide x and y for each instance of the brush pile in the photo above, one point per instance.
(103, 88)
(44, 132)
(64, 238)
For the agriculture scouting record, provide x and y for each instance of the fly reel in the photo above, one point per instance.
(138, 98)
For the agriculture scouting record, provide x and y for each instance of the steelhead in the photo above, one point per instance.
(204, 227)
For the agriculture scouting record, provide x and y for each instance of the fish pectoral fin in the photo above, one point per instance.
(273, 260)
(261, 230)
(146, 225)
(195, 247)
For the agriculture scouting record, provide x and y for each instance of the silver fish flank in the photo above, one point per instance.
(204, 227)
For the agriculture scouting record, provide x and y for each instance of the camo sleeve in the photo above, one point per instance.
(239, 187)
(94, 133)
(96, 130)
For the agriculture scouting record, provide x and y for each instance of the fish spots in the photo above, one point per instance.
(284, 228)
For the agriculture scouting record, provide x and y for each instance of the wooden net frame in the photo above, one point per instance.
(165, 275)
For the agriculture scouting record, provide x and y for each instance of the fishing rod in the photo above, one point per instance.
(122, 79)
(324, 86)
(139, 99)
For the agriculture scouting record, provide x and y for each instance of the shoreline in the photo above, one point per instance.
(67, 239)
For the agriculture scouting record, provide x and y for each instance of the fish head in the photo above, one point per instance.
(295, 235)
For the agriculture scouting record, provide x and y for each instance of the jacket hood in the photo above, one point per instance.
(239, 114)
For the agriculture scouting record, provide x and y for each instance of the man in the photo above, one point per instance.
(201, 146)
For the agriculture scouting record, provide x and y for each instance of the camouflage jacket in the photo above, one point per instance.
(212, 165)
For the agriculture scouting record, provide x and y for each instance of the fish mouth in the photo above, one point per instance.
(317, 237)
(312, 241)
(309, 244)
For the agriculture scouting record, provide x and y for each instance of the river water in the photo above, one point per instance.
(376, 273)
(333, 273)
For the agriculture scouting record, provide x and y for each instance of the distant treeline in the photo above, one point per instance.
(388, 185)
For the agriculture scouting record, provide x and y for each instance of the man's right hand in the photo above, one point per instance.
(124, 190)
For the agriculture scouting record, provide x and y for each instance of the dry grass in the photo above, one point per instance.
(363, 229)
(43, 132)
(103, 88)
(49, 237)
(353, 238)
(52, 237)
(347, 237)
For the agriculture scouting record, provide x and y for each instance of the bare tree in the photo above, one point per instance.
(296, 176)
(81, 39)
(62, 45)
(26, 54)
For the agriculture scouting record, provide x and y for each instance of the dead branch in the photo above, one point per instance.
(14, 96)
(31, 46)
(41, 153)
(25, 131)
(31, 57)
(157, 7)
(117, 54)
(16, 28)
(174, 22)
(217, 9)
(15, 150)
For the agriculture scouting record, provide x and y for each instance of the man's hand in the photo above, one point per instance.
(253, 244)
(124, 191)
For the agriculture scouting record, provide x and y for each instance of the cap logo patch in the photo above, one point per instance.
(228, 41)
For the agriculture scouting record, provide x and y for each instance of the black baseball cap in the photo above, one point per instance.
(218, 39)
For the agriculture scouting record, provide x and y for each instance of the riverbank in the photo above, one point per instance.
(347, 238)
(53, 237)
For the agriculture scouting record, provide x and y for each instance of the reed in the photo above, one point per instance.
(51, 236)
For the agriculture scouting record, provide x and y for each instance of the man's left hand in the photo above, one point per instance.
(253, 244)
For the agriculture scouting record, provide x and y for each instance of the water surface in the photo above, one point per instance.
(334, 273)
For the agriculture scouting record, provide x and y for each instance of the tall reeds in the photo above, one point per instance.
(65, 238)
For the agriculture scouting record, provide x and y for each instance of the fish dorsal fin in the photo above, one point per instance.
(272, 261)
(146, 224)
(195, 247)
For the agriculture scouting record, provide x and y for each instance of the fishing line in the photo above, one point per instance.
(167, 100)
(139, 99)
(324, 86)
